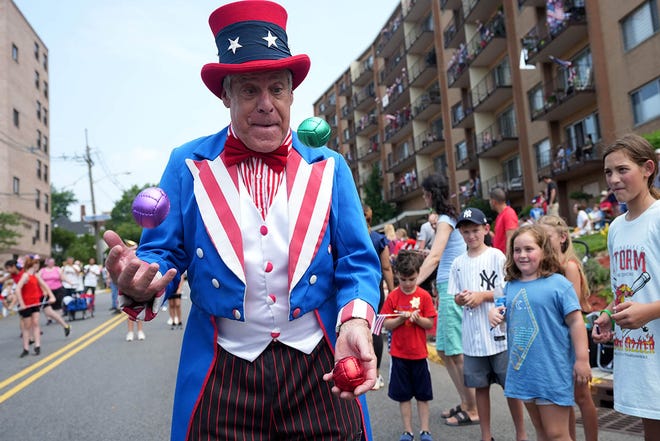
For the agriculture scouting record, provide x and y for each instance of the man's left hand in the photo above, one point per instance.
(355, 339)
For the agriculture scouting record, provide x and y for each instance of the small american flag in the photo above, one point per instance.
(378, 323)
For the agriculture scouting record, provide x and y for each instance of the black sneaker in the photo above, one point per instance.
(37, 350)
(67, 331)
(24, 353)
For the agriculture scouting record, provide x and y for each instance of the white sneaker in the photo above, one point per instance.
(141, 335)
(170, 321)
(176, 321)
(379, 383)
(129, 336)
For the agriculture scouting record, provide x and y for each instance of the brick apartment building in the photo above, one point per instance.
(493, 89)
(24, 132)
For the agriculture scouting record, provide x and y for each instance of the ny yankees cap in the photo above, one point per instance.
(473, 215)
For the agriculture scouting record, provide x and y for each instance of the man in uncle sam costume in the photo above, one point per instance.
(283, 276)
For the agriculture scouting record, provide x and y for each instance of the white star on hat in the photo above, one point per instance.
(271, 39)
(233, 45)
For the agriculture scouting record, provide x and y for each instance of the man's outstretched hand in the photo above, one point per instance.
(134, 278)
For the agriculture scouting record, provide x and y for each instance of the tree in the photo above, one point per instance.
(9, 236)
(373, 197)
(60, 202)
(653, 138)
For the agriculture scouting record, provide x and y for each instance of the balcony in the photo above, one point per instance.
(497, 139)
(396, 95)
(457, 74)
(535, 3)
(365, 73)
(427, 105)
(428, 143)
(488, 44)
(513, 184)
(462, 114)
(406, 187)
(364, 99)
(481, 10)
(571, 89)
(420, 38)
(391, 37)
(399, 125)
(348, 135)
(345, 89)
(367, 125)
(328, 107)
(454, 33)
(450, 4)
(493, 91)
(369, 152)
(466, 154)
(423, 71)
(402, 157)
(557, 38)
(392, 68)
(416, 9)
(573, 167)
(346, 112)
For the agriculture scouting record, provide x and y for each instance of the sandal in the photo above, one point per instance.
(462, 419)
(451, 412)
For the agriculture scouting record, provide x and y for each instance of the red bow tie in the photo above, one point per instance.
(236, 152)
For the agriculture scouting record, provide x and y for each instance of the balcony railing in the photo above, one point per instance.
(392, 67)
(512, 183)
(397, 122)
(482, 49)
(428, 142)
(571, 89)
(391, 33)
(502, 130)
(423, 69)
(557, 36)
(474, 10)
(483, 94)
(419, 36)
(424, 102)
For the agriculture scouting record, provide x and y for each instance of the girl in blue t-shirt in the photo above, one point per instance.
(547, 343)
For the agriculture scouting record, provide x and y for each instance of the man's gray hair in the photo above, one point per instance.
(226, 81)
(498, 194)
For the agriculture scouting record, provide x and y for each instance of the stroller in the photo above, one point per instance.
(83, 302)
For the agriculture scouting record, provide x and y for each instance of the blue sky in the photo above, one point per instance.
(128, 72)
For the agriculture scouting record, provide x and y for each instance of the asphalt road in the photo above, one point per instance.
(94, 385)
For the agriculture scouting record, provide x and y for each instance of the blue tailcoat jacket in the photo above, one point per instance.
(342, 267)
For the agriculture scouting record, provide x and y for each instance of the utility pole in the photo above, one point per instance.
(95, 222)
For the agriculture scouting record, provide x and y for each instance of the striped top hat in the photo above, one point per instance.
(251, 37)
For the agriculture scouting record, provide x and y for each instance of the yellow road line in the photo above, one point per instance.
(87, 339)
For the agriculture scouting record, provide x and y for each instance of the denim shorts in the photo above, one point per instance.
(483, 371)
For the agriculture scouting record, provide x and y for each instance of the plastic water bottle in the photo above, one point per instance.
(500, 300)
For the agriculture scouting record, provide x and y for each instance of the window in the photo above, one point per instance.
(512, 170)
(17, 122)
(36, 51)
(641, 24)
(507, 123)
(46, 172)
(646, 102)
(577, 132)
(46, 231)
(39, 139)
(39, 110)
(461, 152)
(46, 89)
(45, 144)
(536, 102)
(45, 116)
(14, 52)
(46, 62)
(543, 154)
(37, 81)
(46, 203)
(16, 188)
(37, 233)
(37, 199)
(39, 168)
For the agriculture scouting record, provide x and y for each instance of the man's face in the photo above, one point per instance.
(260, 108)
